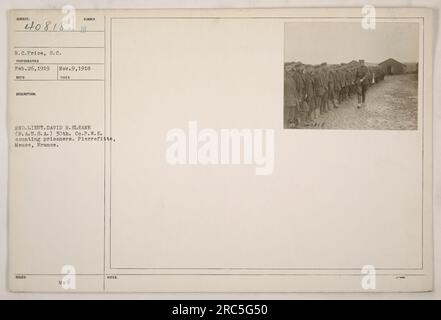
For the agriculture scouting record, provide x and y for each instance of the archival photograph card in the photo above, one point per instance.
(220, 150)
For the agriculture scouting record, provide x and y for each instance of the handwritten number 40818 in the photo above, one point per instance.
(45, 26)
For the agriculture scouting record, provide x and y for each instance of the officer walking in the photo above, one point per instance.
(362, 83)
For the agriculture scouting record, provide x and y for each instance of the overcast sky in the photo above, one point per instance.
(333, 42)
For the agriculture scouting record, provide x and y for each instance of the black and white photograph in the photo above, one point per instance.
(339, 75)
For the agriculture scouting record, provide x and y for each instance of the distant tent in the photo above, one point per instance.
(392, 66)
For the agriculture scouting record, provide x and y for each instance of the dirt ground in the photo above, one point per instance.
(391, 104)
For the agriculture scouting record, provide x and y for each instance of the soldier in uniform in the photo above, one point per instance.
(290, 99)
(348, 83)
(362, 82)
(325, 81)
(342, 79)
(302, 107)
(309, 92)
(336, 83)
(332, 85)
(351, 80)
(318, 88)
(354, 83)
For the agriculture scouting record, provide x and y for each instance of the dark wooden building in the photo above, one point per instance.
(392, 66)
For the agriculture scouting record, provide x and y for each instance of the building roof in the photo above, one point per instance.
(391, 60)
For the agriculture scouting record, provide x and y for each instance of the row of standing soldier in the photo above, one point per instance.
(311, 90)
